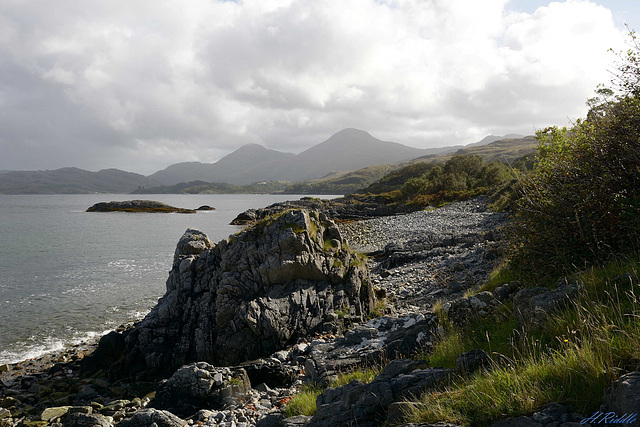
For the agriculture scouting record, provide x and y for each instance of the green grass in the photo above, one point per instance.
(304, 403)
(578, 353)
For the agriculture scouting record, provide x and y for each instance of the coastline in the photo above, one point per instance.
(404, 245)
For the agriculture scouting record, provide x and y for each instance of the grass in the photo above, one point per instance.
(578, 353)
(304, 403)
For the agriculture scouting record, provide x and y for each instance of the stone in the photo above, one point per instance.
(532, 306)
(85, 420)
(8, 402)
(52, 413)
(148, 417)
(261, 291)
(366, 404)
(5, 413)
(4, 368)
(472, 360)
(371, 343)
(297, 421)
(194, 387)
(206, 208)
(623, 396)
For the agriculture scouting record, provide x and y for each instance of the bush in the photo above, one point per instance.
(581, 203)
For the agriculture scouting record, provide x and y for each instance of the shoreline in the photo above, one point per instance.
(405, 247)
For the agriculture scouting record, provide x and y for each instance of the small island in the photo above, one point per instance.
(148, 206)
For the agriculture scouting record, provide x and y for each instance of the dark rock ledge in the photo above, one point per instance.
(148, 206)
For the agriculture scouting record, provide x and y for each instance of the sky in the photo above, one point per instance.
(140, 85)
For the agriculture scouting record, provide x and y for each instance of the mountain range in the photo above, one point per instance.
(346, 150)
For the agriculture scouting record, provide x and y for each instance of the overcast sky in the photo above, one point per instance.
(141, 84)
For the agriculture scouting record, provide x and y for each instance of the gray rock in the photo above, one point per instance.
(472, 360)
(298, 420)
(553, 414)
(150, 417)
(195, 386)
(532, 306)
(623, 397)
(86, 420)
(366, 404)
(369, 343)
(261, 291)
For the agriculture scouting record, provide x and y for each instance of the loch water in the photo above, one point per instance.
(67, 275)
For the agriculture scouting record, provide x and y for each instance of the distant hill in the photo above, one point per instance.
(347, 150)
(249, 163)
(71, 181)
(503, 150)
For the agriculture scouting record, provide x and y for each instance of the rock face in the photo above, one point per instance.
(148, 206)
(251, 295)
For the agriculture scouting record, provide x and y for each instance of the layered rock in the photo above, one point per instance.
(260, 291)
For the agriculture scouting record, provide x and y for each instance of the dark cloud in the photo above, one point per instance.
(146, 84)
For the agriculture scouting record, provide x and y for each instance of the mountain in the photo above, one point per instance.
(347, 150)
(71, 181)
(249, 163)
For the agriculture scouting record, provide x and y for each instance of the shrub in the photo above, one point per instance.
(581, 203)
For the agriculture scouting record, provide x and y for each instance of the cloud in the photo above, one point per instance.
(145, 84)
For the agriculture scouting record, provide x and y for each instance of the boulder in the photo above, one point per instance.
(200, 386)
(623, 397)
(244, 298)
(85, 420)
(532, 306)
(148, 206)
(153, 417)
(472, 360)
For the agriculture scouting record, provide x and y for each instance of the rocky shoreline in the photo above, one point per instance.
(415, 260)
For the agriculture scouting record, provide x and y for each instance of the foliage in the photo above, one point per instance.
(579, 352)
(581, 203)
(460, 177)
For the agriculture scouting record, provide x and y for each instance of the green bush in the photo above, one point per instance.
(581, 203)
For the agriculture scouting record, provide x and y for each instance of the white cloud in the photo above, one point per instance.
(146, 84)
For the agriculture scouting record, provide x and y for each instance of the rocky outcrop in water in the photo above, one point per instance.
(147, 206)
(260, 291)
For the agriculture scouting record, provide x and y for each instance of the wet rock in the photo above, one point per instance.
(206, 208)
(369, 343)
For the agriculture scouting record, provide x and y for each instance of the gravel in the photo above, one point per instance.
(430, 255)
